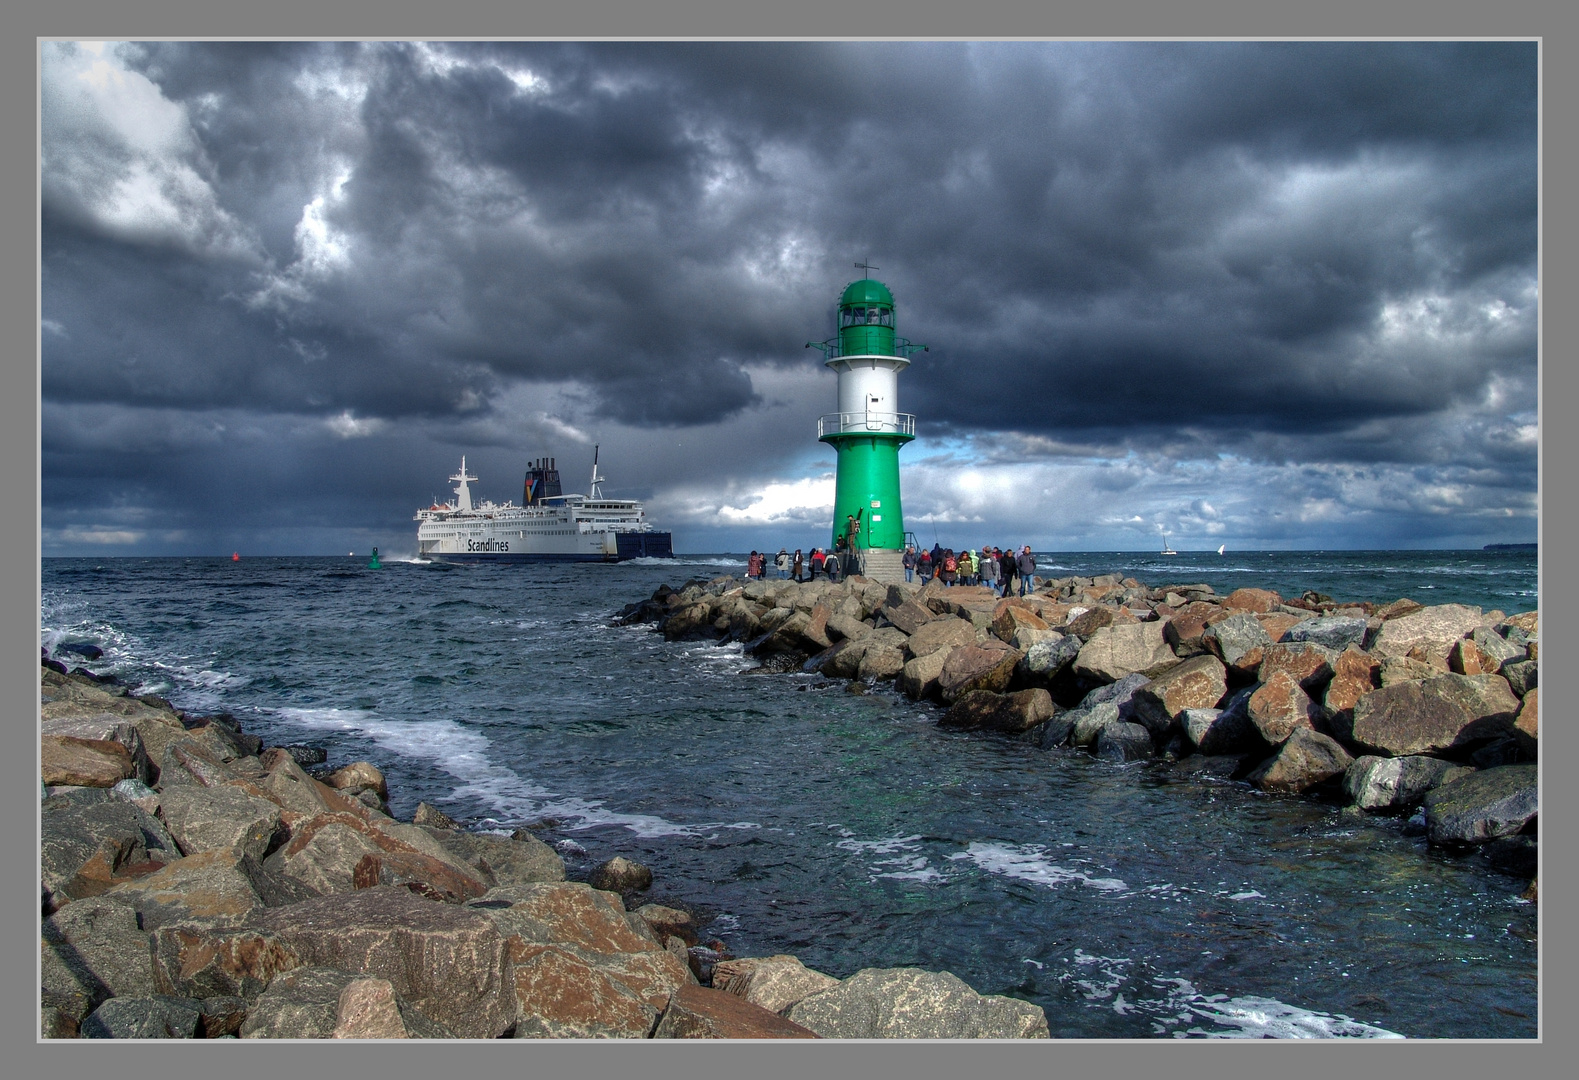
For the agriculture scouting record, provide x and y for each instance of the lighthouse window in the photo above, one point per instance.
(867, 316)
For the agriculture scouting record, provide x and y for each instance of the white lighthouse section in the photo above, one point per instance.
(463, 494)
(868, 396)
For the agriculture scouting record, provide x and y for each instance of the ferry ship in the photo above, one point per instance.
(548, 526)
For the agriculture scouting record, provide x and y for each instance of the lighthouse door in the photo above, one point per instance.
(872, 422)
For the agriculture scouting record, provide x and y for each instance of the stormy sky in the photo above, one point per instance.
(1277, 295)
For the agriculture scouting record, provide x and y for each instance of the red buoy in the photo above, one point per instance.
(235, 556)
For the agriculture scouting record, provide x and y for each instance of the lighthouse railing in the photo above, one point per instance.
(887, 423)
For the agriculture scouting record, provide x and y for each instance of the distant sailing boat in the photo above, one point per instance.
(1220, 548)
(1167, 549)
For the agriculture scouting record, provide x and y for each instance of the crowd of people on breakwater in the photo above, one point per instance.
(196, 883)
(1426, 712)
(996, 568)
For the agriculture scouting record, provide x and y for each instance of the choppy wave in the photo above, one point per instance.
(1029, 862)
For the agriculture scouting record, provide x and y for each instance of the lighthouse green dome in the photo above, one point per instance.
(866, 291)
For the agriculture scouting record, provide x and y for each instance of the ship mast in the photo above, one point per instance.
(463, 494)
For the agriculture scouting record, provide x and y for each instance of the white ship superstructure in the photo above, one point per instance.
(548, 527)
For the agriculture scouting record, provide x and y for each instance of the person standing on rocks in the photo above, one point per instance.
(818, 561)
(753, 567)
(987, 567)
(1006, 569)
(924, 564)
(950, 567)
(782, 562)
(831, 565)
(909, 562)
(800, 565)
(1026, 566)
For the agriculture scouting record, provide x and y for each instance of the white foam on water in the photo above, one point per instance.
(464, 755)
(885, 846)
(681, 560)
(907, 866)
(1028, 862)
(1251, 1017)
(1251, 895)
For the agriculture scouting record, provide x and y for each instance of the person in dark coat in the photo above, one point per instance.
(1006, 570)
(1025, 565)
(799, 565)
(831, 565)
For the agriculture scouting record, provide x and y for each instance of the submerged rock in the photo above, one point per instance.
(1483, 806)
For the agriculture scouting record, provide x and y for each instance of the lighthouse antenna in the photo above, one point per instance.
(867, 266)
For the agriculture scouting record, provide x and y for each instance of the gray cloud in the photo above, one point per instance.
(1297, 255)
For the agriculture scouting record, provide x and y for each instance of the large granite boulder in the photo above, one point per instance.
(519, 859)
(1238, 640)
(327, 1003)
(1255, 601)
(218, 819)
(1448, 712)
(84, 847)
(1120, 741)
(1009, 713)
(1335, 632)
(1380, 783)
(1087, 721)
(880, 662)
(209, 887)
(972, 667)
(1401, 669)
(1433, 629)
(1483, 806)
(449, 962)
(153, 1017)
(1496, 646)
(909, 1003)
(908, 616)
(1185, 629)
(1119, 650)
(919, 677)
(1197, 683)
(1309, 664)
(841, 627)
(697, 1012)
(775, 982)
(1527, 724)
(1305, 759)
(107, 727)
(341, 852)
(93, 950)
(561, 995)
(621, 875)
(1011, 617)
(1047, 659)
(1089, 621)
(1523, 676)
(943, 633)
(1354, 674)
(1218, 731)
(78, 762)
(1279, 706)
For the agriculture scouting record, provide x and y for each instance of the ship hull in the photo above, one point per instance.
(651, 545)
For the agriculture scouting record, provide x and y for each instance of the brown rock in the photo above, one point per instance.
(972, 667)
(422, 874)
(621, 875)
(1446, 712)
(359, 776)
(1184, 629)
(668, 922)
(1119, 650)
(370, 1009)
(1255, 601)
(1305, 759)
(207, 886)
(67, 759)
(1278, 623)
(1528, 621)
(1011, 713)
(1397, 609)
(697, 1012)
(327, 850)
(1527, 724)
(919, 677)
(1467, 658)
(882, 662)
(432, 817)
(1279, 707)
(561, 996)
(775, 982)
(909, 616)
(1305, 662)
(943, 633)
(218, 819)
(107, 728)
(449, 962)
(1354, 674)
(1198, 683)
(1399, 669)
(1433, 629)
(1422, 654)
(1010, 618)
(1090, 621)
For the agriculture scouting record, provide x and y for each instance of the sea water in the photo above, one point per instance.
(1140, 900)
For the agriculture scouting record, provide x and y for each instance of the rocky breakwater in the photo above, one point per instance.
(1426, 712)
(196, 884)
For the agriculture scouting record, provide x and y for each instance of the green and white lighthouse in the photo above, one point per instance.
(868, 429)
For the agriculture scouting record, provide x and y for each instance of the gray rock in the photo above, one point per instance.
(909, 1003)
(1055, 732)
(621, 875)
(1496, 646)
(844, 627)
(157, 1017)
(1010, 713)
(1483, 806)
(1118, 650)
(1432, 628)
(776, 983)
(106, 728)
(919, 677)
(1239, 641)
(943, 633)
(1086, 723)
(433, 818)
(1305, 759)
(1120, 741)
(93, 950)
(1522, 675)
(1117, 693)
(1402, 669)
(219, 818)
(1336, 634)
(1046, 660)
(84, 846)
(327, 1003)
(519, 859)
(137, 793)
(1218, 731)
(1442, 713)
(1378, 783)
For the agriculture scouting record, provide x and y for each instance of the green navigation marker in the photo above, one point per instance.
(375, 564)
(868, 429)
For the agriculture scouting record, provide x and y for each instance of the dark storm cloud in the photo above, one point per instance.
(1296, 252)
